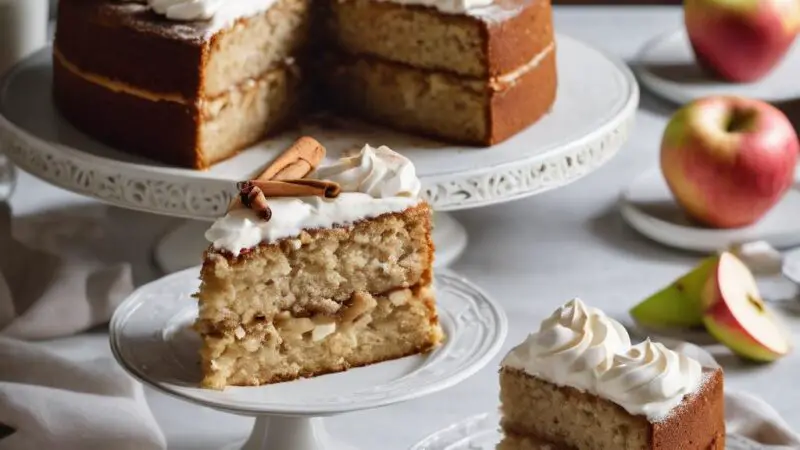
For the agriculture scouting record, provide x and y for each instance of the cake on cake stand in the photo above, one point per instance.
(151, 339)
(589, 122)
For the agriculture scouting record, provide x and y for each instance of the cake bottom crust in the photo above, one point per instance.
(513, 441)
(373, 329)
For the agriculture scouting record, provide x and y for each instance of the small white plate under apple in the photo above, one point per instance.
(727, 169)
(744, 48)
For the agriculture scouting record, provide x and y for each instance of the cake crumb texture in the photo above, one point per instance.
(368, 330)
(318, 271)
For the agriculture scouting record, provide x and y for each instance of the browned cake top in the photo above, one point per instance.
(137, 15)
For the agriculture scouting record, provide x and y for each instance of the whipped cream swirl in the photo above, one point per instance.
(449, 6)
(187, 10)
(374, 182)
(572, 347)
(379, 172)
(650, 379)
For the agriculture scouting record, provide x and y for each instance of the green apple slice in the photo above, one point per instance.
(679, 304)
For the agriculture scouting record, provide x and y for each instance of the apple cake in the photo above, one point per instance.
(315, 274)
(578, 383)
(192, 82)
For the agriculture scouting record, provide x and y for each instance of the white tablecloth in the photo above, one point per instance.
(532, 255)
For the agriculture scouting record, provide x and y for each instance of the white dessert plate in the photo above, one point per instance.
(587, 125)
(482, 432)
(649, 207)
(666, 66)
(151, 339)
(791, 265)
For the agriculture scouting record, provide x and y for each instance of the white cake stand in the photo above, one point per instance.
(666, 66)
(589, 122)
(482, 432)
(150, 338)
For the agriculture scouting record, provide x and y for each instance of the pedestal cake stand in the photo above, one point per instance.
(151, 339)
(588, 124)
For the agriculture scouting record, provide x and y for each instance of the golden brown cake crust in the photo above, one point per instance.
(128, 42)
(164, 131)
(697, 424)
(513, 42)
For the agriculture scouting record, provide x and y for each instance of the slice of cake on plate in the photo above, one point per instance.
(578, 384)
(317, 274)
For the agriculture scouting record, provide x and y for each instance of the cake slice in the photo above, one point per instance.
(578, 384)
(339, 276)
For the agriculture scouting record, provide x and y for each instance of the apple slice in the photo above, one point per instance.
(736, 315)
(679, 304)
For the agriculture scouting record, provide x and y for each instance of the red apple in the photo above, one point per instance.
(741, 40)
(728, 160)
(736, 315)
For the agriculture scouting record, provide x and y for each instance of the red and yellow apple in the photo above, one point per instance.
(728, 160)
(736, 316)
(741, 40)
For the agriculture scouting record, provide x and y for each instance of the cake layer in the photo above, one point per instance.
(573, 419)
(437, 104)
(127, 42)
(317, 271)
(366, 331)
(170, 129)
(459, 43)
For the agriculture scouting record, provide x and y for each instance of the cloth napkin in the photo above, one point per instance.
(49, 402)
(751, 423)
(53, 285)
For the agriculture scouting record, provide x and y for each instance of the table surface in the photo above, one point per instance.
(532, 255)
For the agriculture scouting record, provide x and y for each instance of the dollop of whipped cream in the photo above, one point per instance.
(449, 6)
(378, 172)
(572, 346)
(374, 182)
(650, 379)
(187, 10)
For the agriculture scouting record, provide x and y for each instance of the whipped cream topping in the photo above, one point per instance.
(220, 14)
(379, 172)
(449, 6)
(374, 182)
(581, 347)
(572, 346)
(650, 379)
(186, 9)
(215, 15)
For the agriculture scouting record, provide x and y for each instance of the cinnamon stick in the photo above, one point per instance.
(296, 162)
(294, 188)
(252, 197)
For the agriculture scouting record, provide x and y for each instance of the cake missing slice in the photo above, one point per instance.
(326, 284)
(578, 384)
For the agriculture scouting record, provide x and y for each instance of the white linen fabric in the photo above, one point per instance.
(49, 402)
(53, 286)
